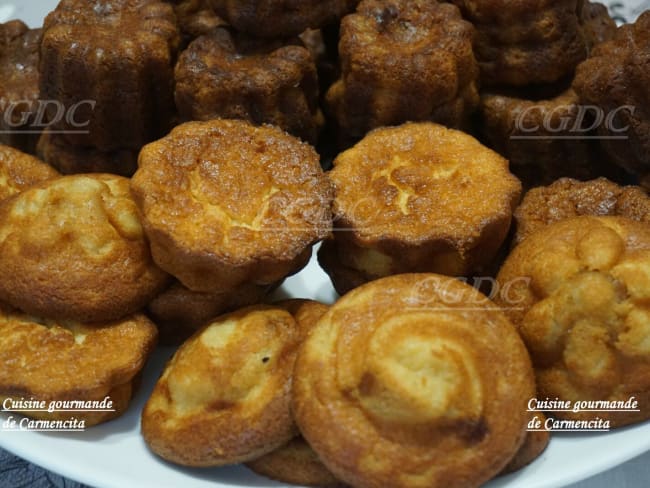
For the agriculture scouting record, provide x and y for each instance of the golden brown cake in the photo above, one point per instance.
(225, 203)
(578, 292)
(179, 312)
(48, 360)
(568, 198)
(55, 150)
(195, 18)
(19, 101)
(404, 60)
(281, 18)
(19, 171)
(296, 462)
(231, 76)
(113, 61)
(542, 135)
(224, 397)
(615, 79)
(73, 248)
(415, 198)
(526, 41)
(535, 443)
(402, 383)
(597, 24)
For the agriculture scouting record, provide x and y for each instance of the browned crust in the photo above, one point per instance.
(531, 132)
(535, 443)
(597, 24)
(295, 463)
(306, 312)
(224, 396)
(211, 231)
(525, 41)
(281, 18)
(224, 75)
(577, 290)
(568, 198)
(122, 62)
(404, 60)
(19, 171)
(364, 382)
(19, 84)
(179, 312)
(73, 248)
(57, 361)
(421, 197)
(613, 78)
(196, 18)
(54, 149)
(343, 278)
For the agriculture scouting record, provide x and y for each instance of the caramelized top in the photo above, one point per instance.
(19, 171)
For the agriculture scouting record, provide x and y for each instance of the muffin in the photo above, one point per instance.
(195, 18)
(55, 150)
(179, 312)
(72, 248)
(577, 291)
(525, 41)
(544, 135)
(281, 18)
(416, 198)
(226, 75)
(225, 203)
(568, 198)
(51, 361)
(425, 370)
(615, 79)
(113, 62)
(19, 171)
(404, 60)
(19, 102)
(224, 396)
(597, 24)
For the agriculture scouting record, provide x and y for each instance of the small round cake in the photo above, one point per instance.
(567, 198)
(19, 96)
(58, 361)
(19, 171)
(110, 65)
(281, 18)
(73, 248)
(615, 79)
(578, 292)
(232, 76)
(224, 397)
(416, 198)
(423, 368)
(404, 60)
(225, 203)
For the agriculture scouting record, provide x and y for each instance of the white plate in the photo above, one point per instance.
(114, 454)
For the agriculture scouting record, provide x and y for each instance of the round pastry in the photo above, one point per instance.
(535, 443)
(19, 100)
(196, 18)
(404, 60)
(54, 361)
(296, 462)
(568, 198)
(225, 203)
(19, 171)
(224, 397)
(281, 18)
(73, 248)
(597, 24)
(225, 75)
(526, 41)
(542, 135)
(423, 369)
(578, 292)
(420, 197)
(179, 312)
(110, 66)
(55, 150)
(615, 79)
